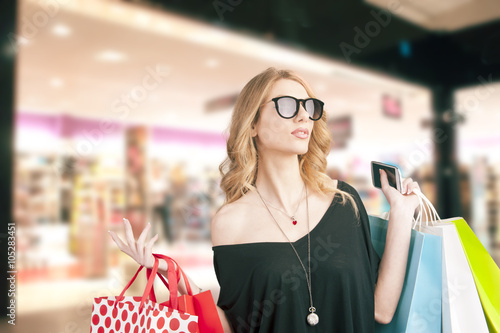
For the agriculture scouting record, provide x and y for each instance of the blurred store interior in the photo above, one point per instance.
(121, 110)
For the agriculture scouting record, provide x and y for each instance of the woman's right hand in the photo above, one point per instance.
(140, 250)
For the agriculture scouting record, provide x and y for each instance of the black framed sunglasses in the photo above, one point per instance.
(288, 107)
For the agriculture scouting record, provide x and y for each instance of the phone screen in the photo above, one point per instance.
(391, 175)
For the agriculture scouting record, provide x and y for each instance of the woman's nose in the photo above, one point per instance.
(302, 114)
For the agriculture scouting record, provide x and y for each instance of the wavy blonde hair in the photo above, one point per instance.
(239, 169)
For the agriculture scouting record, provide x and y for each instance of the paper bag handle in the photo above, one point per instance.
(171, 283)
(174, 274)
(428, 210)
(148, 286)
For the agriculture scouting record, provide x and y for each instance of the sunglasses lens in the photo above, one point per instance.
(314, 107)
(287, 106)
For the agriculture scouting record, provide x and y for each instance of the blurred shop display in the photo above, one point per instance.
(391, 106)
(485, 204)
(40, 230)
(482, 201)
(37, 190)
(67, 197)
(98, 204)
(493, 208)
(95, 189)
(135, 177)
(160, 202)
(341, 130)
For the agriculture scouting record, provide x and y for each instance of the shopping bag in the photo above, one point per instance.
(462, 310)
(419, 307)
(485, 272)
(201, 305)
(140, 314)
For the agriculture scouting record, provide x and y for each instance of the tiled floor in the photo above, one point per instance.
(70, 320)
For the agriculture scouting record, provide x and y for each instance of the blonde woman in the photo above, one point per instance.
(292, 249)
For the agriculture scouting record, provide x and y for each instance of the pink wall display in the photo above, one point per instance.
(97, 130)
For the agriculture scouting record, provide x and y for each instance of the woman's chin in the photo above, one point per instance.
(292, 149)
(301, 151)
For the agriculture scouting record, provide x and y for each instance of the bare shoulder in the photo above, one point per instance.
(335, 183)
(227, 224)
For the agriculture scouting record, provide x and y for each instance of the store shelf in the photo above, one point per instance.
(494, 206)
(36, 186)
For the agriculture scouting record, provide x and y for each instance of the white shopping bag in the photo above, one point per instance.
(461, 308)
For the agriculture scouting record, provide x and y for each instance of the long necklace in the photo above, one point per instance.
(294, 220)
(312, 317)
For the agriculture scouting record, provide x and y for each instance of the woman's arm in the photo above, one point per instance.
(392, 266)
(224, 321)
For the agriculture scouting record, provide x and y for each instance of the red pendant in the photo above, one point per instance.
(294, 222)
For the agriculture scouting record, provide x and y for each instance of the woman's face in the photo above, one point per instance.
(274, 133)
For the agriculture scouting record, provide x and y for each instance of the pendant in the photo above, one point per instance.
(294, 221)
(312, 318)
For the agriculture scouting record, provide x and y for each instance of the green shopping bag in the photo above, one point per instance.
(485, 271)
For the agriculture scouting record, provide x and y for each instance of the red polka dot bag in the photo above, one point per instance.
(201, 304)
(116, 314)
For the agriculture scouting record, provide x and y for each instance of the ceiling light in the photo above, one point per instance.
(207, 37)
(117, 9)
(61, 30)
(142, 18)
(163, 26)
(111, 56)
(56, 82)
(23, 40)
(212, 63)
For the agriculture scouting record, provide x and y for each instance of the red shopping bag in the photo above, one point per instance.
(140, 314)
(201, 305)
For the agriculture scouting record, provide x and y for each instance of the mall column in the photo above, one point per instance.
(447, 178)
(135, 177)
(8, 51)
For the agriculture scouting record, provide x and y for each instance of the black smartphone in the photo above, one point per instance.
(393, 175)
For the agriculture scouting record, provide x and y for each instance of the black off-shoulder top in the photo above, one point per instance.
(263, 285)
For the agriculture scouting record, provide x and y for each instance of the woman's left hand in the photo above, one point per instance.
(404, 199)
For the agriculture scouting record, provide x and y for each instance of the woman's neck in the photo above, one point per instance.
(279, 181)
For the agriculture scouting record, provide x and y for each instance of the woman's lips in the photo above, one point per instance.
(301, 133)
